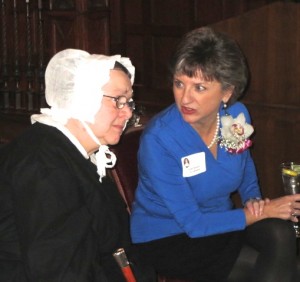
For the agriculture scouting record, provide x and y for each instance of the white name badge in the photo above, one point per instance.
(193, 164)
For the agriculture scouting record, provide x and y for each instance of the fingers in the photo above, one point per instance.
(296, 206)
(295, 197)
(292, 200)
(286, 207)
(294, 218)
(255, 206)
(259, 207)
(282, 207)
(294, 211)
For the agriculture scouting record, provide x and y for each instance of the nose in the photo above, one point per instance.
(186, 96)
(126, 111)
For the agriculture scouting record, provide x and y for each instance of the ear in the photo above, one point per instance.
(227, 94)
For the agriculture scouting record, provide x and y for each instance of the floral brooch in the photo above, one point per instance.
(235, 133)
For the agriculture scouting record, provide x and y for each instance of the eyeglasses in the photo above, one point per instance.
(121, 101)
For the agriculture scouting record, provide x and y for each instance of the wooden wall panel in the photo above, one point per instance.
(62, 33)
(31, 32)
(170, 13)
(134, 46)
(269, 37)
(96, 36)
(276, 140)
(208, 11)
(116, 27)
(133, 10)
(159, 26)
(271, 44)
(79, 28)
(150, 32)
(161, 55)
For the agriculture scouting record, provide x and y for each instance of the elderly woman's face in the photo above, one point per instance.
(198, 100)
(109, 120)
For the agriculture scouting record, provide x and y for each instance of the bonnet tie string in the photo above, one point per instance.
(103, 158)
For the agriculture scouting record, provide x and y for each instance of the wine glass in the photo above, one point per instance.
(290, 173)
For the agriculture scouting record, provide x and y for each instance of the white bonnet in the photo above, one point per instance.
(74, 80)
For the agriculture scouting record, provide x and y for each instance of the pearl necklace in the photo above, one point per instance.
(213, 141)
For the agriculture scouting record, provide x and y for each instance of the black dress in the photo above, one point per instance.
(57, 221)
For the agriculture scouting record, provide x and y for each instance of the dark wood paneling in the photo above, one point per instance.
(276, 141)
(208, 11)
(61, 30)
(269, 37)
(82, 26)
(271, 45)
(116, 27)
(168, 13)
(31, 33)
(152, 28)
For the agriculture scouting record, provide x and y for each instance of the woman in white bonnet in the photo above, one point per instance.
(61, 218)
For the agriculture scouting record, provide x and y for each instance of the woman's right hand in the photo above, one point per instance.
(286, 207)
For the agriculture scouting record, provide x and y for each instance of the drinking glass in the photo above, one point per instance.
(290, 173)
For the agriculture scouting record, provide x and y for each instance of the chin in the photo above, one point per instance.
(114, 141)
(188, 119)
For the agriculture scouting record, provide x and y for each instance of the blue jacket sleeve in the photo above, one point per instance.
(249, 187)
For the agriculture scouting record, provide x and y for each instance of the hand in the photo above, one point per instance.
(256, 206)
(286, 207)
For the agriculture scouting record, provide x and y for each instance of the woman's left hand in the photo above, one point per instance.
(256, 206)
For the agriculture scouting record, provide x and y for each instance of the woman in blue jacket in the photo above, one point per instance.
(192, 157)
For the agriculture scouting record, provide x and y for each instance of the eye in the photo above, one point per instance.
(121, 102)
(177, 83)
(199, 87)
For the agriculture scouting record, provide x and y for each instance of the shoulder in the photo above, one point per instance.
(164, 117)
(166, 128)
(237, 108)
(167, 121)
(39, 144)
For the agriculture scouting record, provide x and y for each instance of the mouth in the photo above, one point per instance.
(187, 111)
(119, 128)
